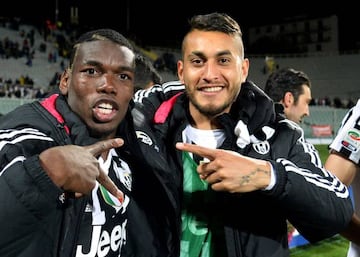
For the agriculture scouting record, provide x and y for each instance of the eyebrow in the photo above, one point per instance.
(201, 54)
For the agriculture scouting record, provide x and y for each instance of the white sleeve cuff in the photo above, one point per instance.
(272, 179)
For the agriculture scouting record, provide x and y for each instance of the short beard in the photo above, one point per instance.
(209, 110)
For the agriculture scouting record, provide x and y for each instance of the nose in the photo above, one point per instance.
(211, 70)
(107, 84)
(307, 110)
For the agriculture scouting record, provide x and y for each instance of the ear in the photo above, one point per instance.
(64, 81)
(288, 99)
(180, 69)
(245, 69)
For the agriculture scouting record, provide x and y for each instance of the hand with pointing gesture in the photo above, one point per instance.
(230, 171)
(76, 168)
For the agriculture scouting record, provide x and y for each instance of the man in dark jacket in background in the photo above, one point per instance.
(290, 89)
(145, 73)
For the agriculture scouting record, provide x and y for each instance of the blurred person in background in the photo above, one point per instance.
(145, 73)
(292, 89)
(344, 162)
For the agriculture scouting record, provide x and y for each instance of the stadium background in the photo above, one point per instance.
(331, 76)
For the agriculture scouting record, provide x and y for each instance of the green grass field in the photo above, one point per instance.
(333, 247)
(323, 151)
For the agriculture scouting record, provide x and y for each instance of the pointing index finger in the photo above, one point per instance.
(196, 149)
(110, 186)
(105, 145)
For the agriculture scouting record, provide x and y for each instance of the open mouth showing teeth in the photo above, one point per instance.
(105, 108)
(211, 89)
